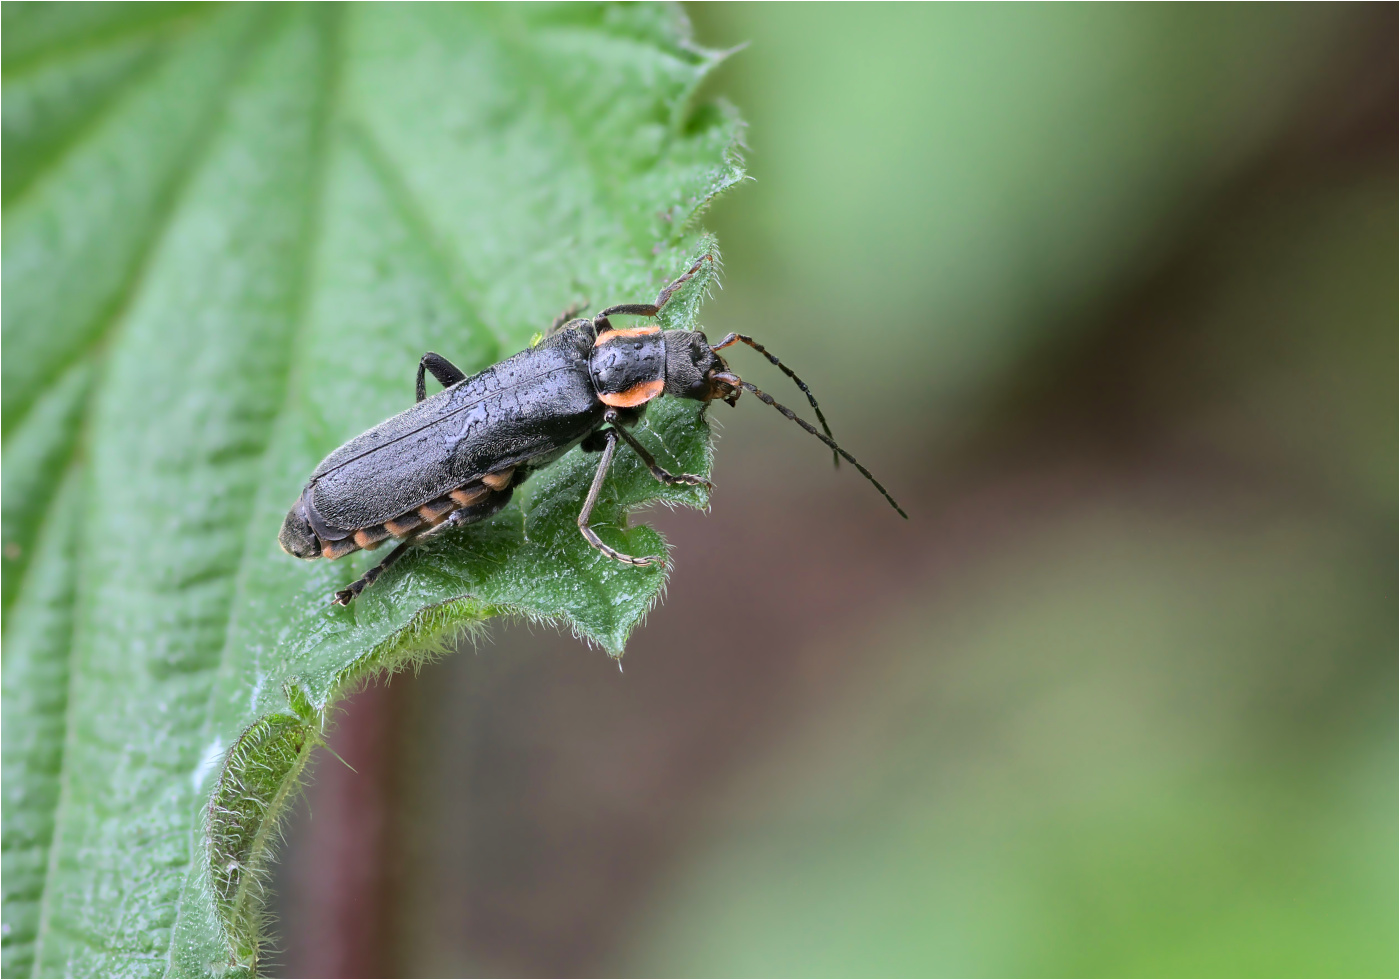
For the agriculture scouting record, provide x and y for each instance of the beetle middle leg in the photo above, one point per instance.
(445, 371)
(663, 476)
(584, 515)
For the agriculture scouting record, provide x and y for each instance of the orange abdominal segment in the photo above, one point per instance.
(500, 479)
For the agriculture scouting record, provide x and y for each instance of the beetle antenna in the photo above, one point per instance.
(768, 399)
(773, 358)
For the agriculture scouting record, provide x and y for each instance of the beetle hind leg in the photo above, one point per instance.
(348, 594)
(480, 502)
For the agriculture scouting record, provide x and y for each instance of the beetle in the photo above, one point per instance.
(456, 457)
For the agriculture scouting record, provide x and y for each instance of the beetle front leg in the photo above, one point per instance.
(584, 515)
(445, 371)
(670, 479)
(651, 309)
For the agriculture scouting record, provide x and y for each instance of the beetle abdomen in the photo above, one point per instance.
(464, 505)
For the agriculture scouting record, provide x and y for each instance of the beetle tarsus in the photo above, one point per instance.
(681, 280)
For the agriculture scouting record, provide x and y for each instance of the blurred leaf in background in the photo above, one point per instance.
(1152, 730)
(229, 234)
(1109, 294)
(1132, 746)
(986, 176)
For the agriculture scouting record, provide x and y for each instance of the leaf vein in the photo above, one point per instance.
(416, 219)
(44, 56)
(120, 304)
(118, 314)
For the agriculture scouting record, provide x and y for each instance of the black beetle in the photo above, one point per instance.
(456, 457)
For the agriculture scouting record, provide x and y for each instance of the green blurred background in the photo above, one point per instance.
(1106, 295)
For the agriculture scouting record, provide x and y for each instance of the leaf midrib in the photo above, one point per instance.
(328, 102)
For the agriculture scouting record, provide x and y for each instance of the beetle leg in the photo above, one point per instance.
(566, 318)
(651, 309)
(444, 370)
(670, 479)
(347, 595)
(588, 533)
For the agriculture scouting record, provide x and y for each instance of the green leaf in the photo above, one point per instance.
(230, 232)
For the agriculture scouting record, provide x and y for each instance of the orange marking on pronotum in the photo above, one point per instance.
(635, 395)
(608, 335)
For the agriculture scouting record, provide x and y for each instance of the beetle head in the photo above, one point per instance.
(694, 370)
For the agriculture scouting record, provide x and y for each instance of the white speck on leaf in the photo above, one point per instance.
(207, 763)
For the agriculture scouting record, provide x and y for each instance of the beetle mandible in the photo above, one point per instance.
(455, 458)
